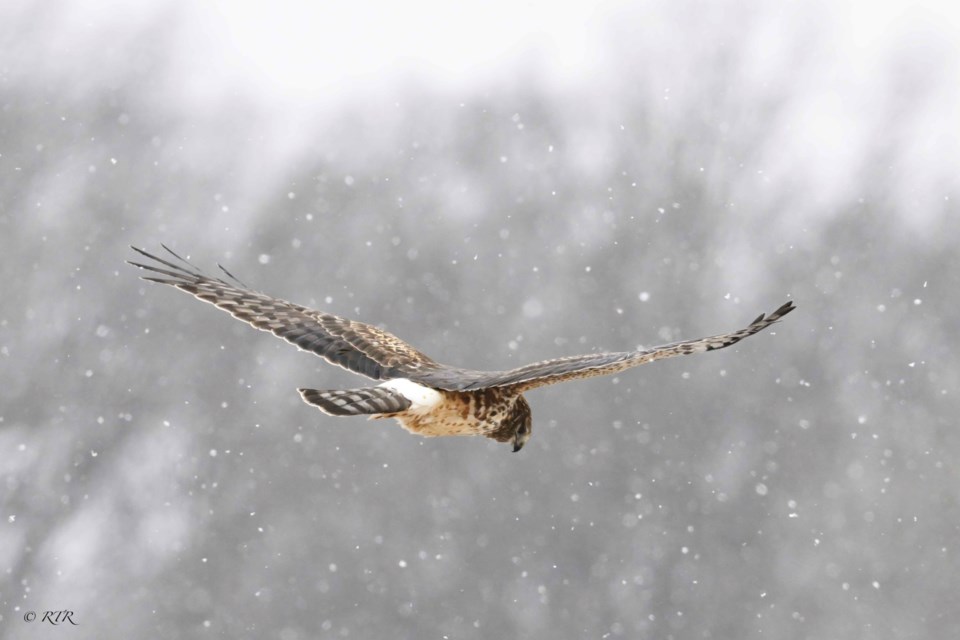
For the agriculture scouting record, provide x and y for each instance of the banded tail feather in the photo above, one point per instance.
(356, 402)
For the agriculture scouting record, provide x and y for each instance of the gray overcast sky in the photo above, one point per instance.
(496, 183)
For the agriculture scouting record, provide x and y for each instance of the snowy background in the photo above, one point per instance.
(497, 184)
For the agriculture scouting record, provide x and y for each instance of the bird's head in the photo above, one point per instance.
(520, 423)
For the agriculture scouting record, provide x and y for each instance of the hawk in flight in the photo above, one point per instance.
(426, 397)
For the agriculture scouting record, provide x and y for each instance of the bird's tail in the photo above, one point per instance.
(356, 402)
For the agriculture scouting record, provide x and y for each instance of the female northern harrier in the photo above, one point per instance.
(426, 397)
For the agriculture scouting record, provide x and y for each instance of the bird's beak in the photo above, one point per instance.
(517, 446)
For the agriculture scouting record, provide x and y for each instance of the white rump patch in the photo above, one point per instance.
(422, 398)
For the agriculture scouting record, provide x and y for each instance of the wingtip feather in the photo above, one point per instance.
(784, 309)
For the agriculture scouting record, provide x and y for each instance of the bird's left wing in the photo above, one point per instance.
(547, 372)
(355, 346)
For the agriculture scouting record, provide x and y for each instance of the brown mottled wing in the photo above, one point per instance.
(355, 346)
(562, 369)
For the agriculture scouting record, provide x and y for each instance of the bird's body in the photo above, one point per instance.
(446, 413)
(426, 397)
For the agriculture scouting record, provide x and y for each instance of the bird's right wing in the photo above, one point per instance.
(548, 372)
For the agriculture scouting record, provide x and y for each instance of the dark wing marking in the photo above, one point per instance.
(562, 369)
(355, 346)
